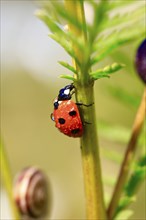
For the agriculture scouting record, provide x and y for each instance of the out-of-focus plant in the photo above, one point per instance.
(88, 43)
(7, 179)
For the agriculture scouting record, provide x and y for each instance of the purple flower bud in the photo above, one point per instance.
(141, 61)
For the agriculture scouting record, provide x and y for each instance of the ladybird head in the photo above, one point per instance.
(65, 93)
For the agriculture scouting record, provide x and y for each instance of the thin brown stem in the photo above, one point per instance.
(129, 155)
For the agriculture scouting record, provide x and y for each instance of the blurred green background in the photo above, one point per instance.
(29, 83)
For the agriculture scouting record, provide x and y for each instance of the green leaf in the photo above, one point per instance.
(99, 16)
(67, 46)
(124, 202)
(115, 40)
(121, 19)
(125, 97)
(57, 28)
(49, 8)
(113, 68)
(99, 76)
(137, 176)
(52, 24)
(127, 200)
(68, 77)
(64, 38)
(63, 13)
(124, 215)
(68, 66)
(106, 71)
(142, 161)
(110, 29)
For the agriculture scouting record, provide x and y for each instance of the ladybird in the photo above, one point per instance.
(67, 119)
(66, 114)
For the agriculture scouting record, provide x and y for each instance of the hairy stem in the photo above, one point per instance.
(95, 208)
(7, 180)
(128, 158)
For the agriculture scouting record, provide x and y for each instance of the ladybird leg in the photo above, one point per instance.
(86, 105)
(72, 92)
(52, 117)
(87, 123)
(70, 87)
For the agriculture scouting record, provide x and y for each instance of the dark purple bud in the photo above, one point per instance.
(141, 61)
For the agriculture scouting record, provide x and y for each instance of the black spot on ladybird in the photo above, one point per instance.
(61, 121)
(72, 113)
(75, 131)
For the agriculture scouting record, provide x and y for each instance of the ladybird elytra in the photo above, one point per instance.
(66, 114)
(67, 119)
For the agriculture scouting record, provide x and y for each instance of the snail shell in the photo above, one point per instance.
(31, 192)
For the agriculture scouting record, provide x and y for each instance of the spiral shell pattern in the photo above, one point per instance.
(31, 192)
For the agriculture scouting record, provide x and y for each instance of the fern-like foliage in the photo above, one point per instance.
(113, 25)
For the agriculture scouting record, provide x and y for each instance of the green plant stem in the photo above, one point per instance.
(95, 208)
(7, 180)
(90, 157)
(128, 158)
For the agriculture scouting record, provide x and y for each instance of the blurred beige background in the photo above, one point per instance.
(29, 83)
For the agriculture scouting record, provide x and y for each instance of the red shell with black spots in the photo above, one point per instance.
(67, 119)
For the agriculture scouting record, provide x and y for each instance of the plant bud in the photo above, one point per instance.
(141, 61)
(31, 192)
